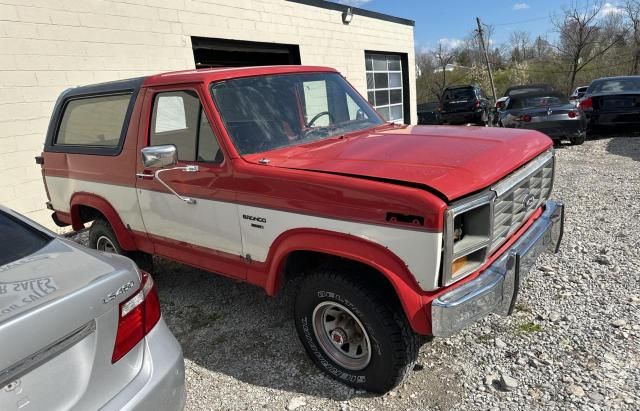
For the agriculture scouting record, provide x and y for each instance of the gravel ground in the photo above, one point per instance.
(572, 343)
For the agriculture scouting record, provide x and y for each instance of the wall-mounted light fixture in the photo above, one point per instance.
(347, 16)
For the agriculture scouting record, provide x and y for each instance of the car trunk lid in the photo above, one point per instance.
(616, 102)
(53, 306)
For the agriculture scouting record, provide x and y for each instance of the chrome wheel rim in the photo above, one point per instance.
(105, 244)
(341, 335)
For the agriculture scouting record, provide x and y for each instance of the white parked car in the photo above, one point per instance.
(80, 329)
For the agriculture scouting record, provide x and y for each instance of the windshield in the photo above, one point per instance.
(616, 85)
(268, 112)
(18, 240)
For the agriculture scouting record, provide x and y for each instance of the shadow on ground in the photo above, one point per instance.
(235, 329)
(625, 141)
(625, 146)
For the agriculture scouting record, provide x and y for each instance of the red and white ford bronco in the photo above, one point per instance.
(268, 173)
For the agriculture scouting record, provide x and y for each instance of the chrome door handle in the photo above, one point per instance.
(186, 169)
(144, 175)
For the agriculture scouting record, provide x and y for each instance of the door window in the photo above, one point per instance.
(178, 118)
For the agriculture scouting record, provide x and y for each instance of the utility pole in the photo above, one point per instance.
(486, 59)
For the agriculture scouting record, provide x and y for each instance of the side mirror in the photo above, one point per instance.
(159, 156)
(360, 115)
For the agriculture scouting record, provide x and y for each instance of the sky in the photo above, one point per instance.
(450, 21)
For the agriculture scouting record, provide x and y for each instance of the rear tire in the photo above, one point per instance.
(576, 141)
(353, 333)
(103, 238)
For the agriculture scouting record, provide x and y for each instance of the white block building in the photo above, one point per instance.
(47, 46)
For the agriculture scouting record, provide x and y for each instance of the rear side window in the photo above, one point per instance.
(93, 121)
(18, 239)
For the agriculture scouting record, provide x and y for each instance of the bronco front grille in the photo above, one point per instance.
(477, 226)
(519, 195)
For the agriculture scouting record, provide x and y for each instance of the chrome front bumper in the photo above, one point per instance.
(496, 289)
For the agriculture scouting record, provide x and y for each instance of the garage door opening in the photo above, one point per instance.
(209, 53)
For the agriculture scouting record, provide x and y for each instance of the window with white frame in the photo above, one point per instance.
(384, 85)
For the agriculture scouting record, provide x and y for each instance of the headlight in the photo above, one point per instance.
(467, 236)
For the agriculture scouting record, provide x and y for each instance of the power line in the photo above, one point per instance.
(520, 22)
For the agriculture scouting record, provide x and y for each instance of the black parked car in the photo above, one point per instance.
(612, 101)
(464, 104)
(548, 112)
(428, 113)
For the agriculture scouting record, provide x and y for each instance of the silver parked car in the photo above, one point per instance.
(80, 329)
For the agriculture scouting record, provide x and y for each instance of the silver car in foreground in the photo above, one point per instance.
(80, 329)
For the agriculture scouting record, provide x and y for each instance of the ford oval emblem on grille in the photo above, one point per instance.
(528, 201)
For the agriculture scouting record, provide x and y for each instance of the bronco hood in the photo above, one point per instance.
(454, 161)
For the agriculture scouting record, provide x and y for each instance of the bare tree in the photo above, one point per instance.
(632, 12)
(520, 45)
(444, 57)
(542, 48)
(424, 76)
(581, 39)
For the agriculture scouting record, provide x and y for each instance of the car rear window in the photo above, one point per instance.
(93, 121)
(616, 85)
(18, 240)
(459, 94)
(537, 100)
(521, 91)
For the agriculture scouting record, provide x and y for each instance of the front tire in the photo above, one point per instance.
(353, 333)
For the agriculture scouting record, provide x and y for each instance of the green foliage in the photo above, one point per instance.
(612, 48)
(528, 328)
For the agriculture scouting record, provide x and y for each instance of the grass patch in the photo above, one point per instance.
(523, 308)
(528, 328)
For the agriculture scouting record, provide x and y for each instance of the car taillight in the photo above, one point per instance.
(477, 105)
(572, 114)
(499, 104)
(137, 316)
(586, 103)
(525, 118)
(439, 108)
